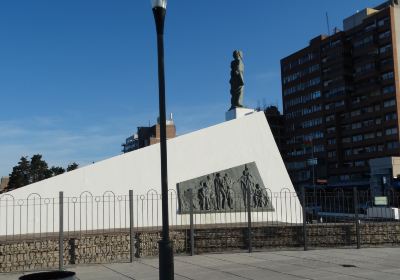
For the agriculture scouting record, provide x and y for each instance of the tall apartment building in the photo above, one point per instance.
(276, 123)
(341, 99)
(148, 135)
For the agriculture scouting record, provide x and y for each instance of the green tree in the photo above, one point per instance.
(56, 170)
(39, 169)
(72, 166)
(35, 170)
(20, 176)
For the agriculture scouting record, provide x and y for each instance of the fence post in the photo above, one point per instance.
(356, 218)
(131, 234)
(191, 223)
(249, 219)
(303, 204)
(61, 231)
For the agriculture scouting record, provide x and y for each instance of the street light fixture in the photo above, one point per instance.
(166, 258)
(159, 3)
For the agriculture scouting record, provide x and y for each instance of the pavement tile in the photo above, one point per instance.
(371, 263)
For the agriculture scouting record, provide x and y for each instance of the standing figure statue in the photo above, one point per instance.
(258, 198)
(204, 196)
(218, 184)
(228, 192)
(212, 202)
(237, 80)
(246, 184)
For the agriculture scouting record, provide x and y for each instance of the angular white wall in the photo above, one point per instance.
(212, 149)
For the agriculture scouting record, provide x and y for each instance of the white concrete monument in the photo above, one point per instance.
(206, 151)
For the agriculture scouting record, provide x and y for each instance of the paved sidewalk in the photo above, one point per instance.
(341, 264)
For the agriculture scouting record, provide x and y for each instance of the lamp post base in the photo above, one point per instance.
(166, 260)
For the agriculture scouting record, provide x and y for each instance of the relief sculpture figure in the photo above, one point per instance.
(212, 201)
(246, 183)
(204, 195)
(258, 198)
(266, 198)
(201, 197)
(218, 190)
(237, 80)
(232, 189)
(228, 192)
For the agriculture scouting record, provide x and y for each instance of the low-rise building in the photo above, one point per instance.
(148, 135)
(4, 183)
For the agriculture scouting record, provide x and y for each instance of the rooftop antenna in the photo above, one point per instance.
(327, 24)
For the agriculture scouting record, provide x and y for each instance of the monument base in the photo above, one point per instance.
(237, 113)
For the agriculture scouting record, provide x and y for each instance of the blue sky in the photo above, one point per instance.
(77, 77)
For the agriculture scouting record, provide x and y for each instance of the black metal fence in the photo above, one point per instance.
(305, 220)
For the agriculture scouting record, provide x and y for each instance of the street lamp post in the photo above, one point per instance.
(166, 258)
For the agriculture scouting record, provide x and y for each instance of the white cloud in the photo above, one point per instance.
(74, 139)
(58, 144)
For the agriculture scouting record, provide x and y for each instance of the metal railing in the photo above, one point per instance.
(254, 220)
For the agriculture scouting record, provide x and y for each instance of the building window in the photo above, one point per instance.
(391, 131)
(355, 100)
(303, 175)
(370, 26)
(331, 129)
(369, 136)
(296, 165)
(363, 42)
(302, 86)
(348, 152)
(331, 154)
(330, 118)
(383, 21)
(385, 48)
(387, 76)
(356, 125)
(311, 123)
(387, 61)
(369, 109)
(358, 151)
(332, 141)
(365, 68)
(337, 91)
(384, 35)
(319, 148)
(392, 145)
(355, 113)
(367, 123)
(389, 103)
(346, 140)
(299, 74)
(359, 163)
(370, 149)
(312, 109)
(380, 148)
(378, 121)
(344, 177)
(357, 138)
(314, 135)
(391, 116)
(388, 89)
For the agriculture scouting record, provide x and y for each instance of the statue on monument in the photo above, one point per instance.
(237, 80)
